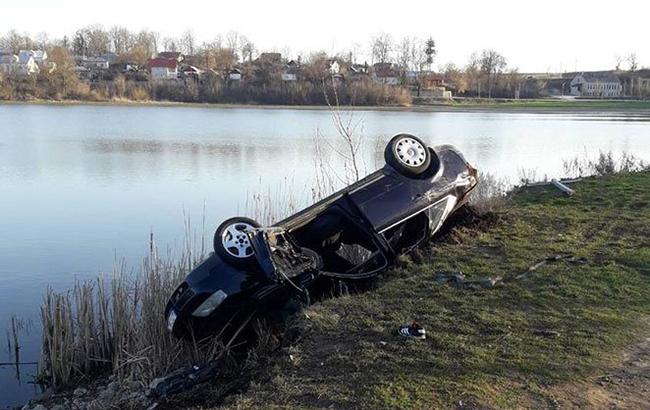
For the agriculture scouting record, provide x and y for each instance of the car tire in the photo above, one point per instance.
(408, 155)
(231, 242)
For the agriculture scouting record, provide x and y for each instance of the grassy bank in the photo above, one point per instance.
(518, 106)
(518, 344)
(555, 104)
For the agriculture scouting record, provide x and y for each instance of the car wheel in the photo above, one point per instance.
(231, 241)
(408, 154)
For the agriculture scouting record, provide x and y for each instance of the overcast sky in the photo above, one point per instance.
(549, 35)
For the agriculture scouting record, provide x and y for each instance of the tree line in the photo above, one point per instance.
(485, 75)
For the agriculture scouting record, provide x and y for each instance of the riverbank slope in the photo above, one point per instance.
(552, 338)
(572, 333)
(549, 106)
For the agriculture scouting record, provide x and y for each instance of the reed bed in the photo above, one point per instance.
(605, 164)
(116, 325)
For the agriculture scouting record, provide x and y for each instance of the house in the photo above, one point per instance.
(110, 57)
(334, 67)
(234, 74)
(601, 85)
(290, 71)
(40, 56)
(359, 68)
(27, 65)
(431, 80)
(95, 63)
(441, 92)
(163, 69)
(359, 72)
(172, 55)
(190, 71)
(385, 73)
(8, 62)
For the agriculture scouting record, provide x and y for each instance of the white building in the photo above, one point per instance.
(234, 74)
(27, 64)
(385, 73)
(290, 71)
(40, 56)
(335, 68)
(597, 85)
(163, 69)
(100, 63)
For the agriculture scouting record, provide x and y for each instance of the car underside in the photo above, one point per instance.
(353, 234)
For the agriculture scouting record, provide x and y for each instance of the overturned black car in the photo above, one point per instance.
(353, 234)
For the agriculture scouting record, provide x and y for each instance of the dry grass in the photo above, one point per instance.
(116, 324)
(490, 195)
(605, 164)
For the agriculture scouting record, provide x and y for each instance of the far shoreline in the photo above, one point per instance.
(596, 107)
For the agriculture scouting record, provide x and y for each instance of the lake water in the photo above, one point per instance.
(82, 185)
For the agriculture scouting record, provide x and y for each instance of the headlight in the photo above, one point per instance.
(210, 304)
(171, 319)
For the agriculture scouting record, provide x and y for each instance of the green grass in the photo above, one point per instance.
(481, 346)
(557, 104)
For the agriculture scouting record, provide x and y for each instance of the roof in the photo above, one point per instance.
(292, 67)
(191, 69)
(170, 54)
(600, 77)
(24, 56)
(384, 70)
(95, 60)
(39, 54)
(359, 68)
(6, 58)
(163, 63)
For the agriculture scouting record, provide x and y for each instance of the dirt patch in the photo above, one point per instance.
(624, 386)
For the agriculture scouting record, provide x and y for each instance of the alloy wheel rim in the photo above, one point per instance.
(235, 240)
(410, 152)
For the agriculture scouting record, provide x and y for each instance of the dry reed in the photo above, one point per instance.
(116, 324)
(604, 164)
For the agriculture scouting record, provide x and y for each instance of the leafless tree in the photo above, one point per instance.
(455, 77)
(121, 39)
(188, 42)
(405, 52)
(98, 40)
(247, 49)
(145, 46)
(618, 60)
(381, 47)
(42, 40)
(170, 44)
(492, 65)
(349, 130)
(430, 51)
(419, 55)
(14, 42)
(80, 43)
(233, 41)
(473, 74)
(632, 61)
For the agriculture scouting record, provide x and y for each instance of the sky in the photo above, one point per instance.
(540, 36)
